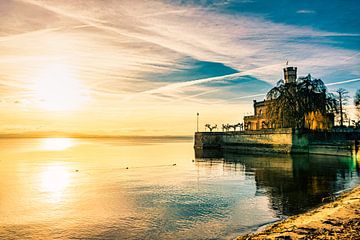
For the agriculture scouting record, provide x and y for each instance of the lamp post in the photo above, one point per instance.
(197, 122)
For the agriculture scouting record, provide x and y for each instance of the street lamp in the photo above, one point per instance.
(197, 122)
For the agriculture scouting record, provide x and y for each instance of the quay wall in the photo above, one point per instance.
(284, 140)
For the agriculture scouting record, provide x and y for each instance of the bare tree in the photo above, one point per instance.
(357, 103)
(343, 96)
(211, 128)
(357, 107)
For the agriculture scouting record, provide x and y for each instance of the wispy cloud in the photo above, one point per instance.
(117, 48)
(305, 11)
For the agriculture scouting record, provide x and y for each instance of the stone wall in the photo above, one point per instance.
(266, 140)
(208, 140)
(284, 140)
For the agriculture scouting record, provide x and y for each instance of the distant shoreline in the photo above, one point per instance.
(4, 136)
(339, 219)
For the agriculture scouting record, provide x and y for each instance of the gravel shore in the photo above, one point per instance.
(339, 219)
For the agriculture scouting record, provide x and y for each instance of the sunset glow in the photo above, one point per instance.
(54, 181)
(57, 89)
(56, 144)
(179, 119)
(144, 68)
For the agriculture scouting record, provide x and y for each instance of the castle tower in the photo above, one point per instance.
(290, 74)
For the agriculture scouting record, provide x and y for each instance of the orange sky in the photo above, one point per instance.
(147, 67)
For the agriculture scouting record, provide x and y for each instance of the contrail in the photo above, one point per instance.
(36, 32)
(250, 96)
(102, 25)
(174, 86)
(329, 84)
(342, 82)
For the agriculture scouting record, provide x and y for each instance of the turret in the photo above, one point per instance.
(254, 101)
(290, 74)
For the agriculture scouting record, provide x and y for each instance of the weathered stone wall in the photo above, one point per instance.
(208, 140)
(300, 142)
(266, 140)
(284, 140)
(341, 142)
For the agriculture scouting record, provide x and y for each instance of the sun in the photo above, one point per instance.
(57, 89)
(56, 144)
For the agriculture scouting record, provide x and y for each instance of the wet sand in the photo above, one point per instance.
(339, 219)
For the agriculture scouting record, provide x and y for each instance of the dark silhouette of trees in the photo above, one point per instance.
(357, 107)
(290, 102)
(343, 97)
(357, 103)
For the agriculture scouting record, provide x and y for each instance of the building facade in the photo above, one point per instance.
(260, 119)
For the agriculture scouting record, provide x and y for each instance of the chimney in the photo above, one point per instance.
(290, 74)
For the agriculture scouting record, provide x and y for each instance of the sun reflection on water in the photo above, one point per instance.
(54, 181)
(56, 144)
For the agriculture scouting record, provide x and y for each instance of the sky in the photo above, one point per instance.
(142, 67)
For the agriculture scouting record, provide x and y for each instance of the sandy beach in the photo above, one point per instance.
(338, 219)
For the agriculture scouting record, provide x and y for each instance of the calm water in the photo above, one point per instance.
(132, 189)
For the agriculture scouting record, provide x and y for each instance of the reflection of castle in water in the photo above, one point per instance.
(292, 183)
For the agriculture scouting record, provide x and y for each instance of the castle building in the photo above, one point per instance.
(290, 74)
(260, 119)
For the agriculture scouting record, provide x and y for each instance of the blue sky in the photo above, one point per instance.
(146, 61)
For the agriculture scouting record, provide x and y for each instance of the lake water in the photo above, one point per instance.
(61, 188)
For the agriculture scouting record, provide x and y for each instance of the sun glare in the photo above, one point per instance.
(56, 144)
(54, 180)
(57, 89)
